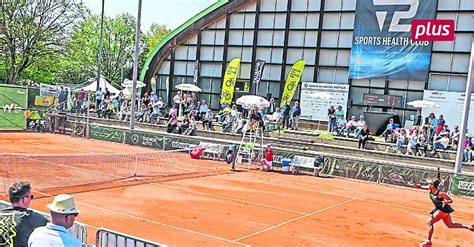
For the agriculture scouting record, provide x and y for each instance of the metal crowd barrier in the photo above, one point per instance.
(108, 238)
(77, 230)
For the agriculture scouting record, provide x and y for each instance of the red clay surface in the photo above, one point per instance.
(249, 207)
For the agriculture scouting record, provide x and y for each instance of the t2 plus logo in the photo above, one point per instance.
(432, 30)
(421, 30)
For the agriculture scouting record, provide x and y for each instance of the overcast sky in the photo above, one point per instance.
(171, 13)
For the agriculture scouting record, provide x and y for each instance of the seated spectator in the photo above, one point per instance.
(24, 220)
(239, 124)
(160, 103)
(423, 142)
(454, 137)
(468, 149)
(413, 143)
(234, 112)
(441, 143)
(102, 109)
(341, 125)
(191, 130)
(203, 110)
(184, 125)
(173, 110)
(277, 118)
(389, 130)
(440, 125)
(172, 124)
(207, 120)
(401, 137)
(154, 117)
(360, 125)
(255, 119)
(351, 126)
(153, 98)
(363, 136)
(227, 123)
(110, 109)
(63, 214)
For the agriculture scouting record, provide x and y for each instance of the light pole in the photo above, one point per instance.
(135, 67)
(465, 115)
(99, 62)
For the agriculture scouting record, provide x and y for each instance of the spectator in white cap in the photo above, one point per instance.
(63, 213)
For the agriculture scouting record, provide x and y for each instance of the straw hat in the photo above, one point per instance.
(63, 204)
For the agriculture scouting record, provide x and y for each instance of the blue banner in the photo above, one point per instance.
(382, 45)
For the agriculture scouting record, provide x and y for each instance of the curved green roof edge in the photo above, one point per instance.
(178, 30)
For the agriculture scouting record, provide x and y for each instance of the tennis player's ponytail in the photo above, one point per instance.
(437, 181)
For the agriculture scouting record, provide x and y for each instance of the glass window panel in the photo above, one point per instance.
(360, 82)
(311, 39)
(457, 83)
(262, 88)
(266, 20)
(280, 20)
(440, 62)
(278, 38)
(331, 21)
(264, 53)
(220, 23)
(438, 82)
(312, 21)
(205, 84)
(218, 53)
(165, 68)
(237, 20)
(465, 22)
(192, 52)
(411, 96)
(460, 63)
(216, 85)
(215, 100)
(192, 40)
(181, 53)
(248, 38)
(220, 35)
(281, 5)
(210, 69)
(314, 5)
(277, 55)
(244, 71)
(445, 15)
(416, 85)
(398, 84)
(235, 37)
(265, 37)
(274, 89)
(297, 20)
(443, 46)
(300, 5)
(294, 55)
(377, 82)
(329, 39)
(308, 74)
(343, 57)
(342, 76)
(162, 82)
(233, 52)
(357, 95)
(207, 37)
(249, 21)
(333, 5)
(466, 5)
(376, 91)
(267, 5)
(447, 5)
(272, 72)
(206, 53)
(327, 57)
(250, 7)
(345, 39)
(349, 5)
(462, 42)
(179, 68)
(326, 75)
(309, 55)
(190, 68)
(347, 20)
(295, 38)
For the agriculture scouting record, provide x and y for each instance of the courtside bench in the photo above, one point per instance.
(312, 163)
(212, 149)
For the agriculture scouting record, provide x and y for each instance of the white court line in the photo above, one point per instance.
(293, 220)
(56, 147)
(334, 194)
(229, 198)
(154, 222)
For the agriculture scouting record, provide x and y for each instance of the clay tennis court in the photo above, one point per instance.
(217, 207)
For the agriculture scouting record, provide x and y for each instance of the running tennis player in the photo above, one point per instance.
(441, 211)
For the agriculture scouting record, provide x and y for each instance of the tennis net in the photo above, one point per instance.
(48, 171)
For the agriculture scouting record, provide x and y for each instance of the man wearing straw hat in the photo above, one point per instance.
(63, 213)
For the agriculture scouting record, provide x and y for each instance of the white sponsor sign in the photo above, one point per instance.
(463, 185)
(314, 108)
(451, 107)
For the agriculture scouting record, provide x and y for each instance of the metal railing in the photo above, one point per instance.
(108, 238)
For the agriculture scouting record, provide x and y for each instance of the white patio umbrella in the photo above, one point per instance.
(322, 95)
(249, 101)
(188, 87)
(423, 104)
(129, 84)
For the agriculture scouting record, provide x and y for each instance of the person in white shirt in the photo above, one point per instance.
(442, 143)
(177, 98)
(277, 117)
(55, 234)
(99, 96)
(360, 125)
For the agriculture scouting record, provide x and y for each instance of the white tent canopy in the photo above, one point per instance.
(103, 83)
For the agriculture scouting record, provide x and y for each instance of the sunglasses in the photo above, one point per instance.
(30, 196)
(75, 214)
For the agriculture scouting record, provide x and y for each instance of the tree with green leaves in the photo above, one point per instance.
(32, 30)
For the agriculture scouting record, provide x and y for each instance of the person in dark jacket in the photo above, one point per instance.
(20, 219)
(286, 115)
(295, 115)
